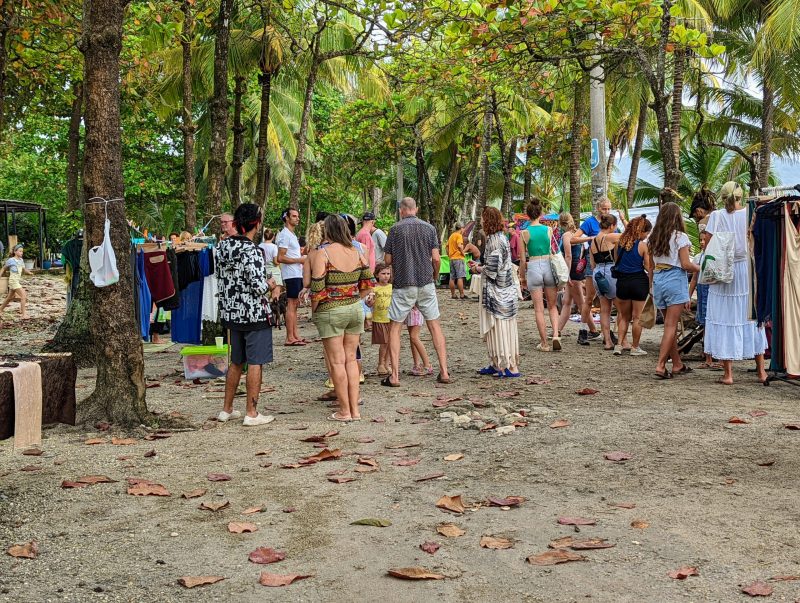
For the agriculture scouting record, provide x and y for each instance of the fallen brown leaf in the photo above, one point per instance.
(425, 478)
(252, 510)
(264, 453)
(192, 581)
(214, 506)
(267, 579)
(618, 456)
(451, 503)
(32, 468)
(29, 550)
(640, 524)
(538, 381)
(783, 578)
(738, 421)
(150, 454)
(194, 493)
(508, 501)
(488, 427)
(508, 394)
(365, 469)
(218, 477)
(158, 435)
(341, 480)
(430, 547)
(123, 441)
(624, 505)
(591, 543)
(369, 461)
(405, 410)
(406, 462)
(150, 489)
(792, 426)
(324, 455)
(95, 441)
(559, 423)
(365, 440)
(766, 463)
(554, 557)
(320, 438)
(240, 527)
(454, 457)
(379, 419)
(683, 572)
(576, 521)
(403, 445)
(757, 589)
(264, 555)
(450, 530)
(32, 452)
(587, 391)
(414, 573)
(493, 542)
(757, 413)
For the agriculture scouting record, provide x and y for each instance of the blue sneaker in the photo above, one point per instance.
(507, 374)
(489, 370)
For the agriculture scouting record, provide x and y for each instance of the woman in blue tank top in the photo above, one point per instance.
(633, 283)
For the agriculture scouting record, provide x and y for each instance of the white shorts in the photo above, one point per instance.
(405, 298)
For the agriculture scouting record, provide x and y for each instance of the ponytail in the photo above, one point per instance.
(731, 193)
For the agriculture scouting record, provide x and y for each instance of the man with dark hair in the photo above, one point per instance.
(244, 286)
(458, 269)
(291, 260)
(364, 236)
(412, 250)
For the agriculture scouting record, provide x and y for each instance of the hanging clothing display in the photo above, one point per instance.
(143, 298)
(791, 290)
(103, 261)
(159, 277)
(210, 310)
(174, 302)
(187, 319)
(188, 269)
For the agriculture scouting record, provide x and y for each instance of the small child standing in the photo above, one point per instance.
(702, 296)
(422, 364)
(381, 298)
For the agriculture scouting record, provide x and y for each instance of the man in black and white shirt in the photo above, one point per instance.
(412, 250)
(244, 311)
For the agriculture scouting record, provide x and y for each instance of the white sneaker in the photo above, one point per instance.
(617, 350)
(638, 352)
(257, 420)
(224, 417)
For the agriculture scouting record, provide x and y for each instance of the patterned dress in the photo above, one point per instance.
(499, 303)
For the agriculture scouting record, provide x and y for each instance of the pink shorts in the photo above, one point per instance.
(414, 318)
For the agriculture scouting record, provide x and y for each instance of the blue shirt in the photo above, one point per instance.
(590, 227)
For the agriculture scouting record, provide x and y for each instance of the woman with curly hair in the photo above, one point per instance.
(669, 262)
(499, 302)
(633, 283)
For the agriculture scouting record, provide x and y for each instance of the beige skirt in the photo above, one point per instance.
(501, 338)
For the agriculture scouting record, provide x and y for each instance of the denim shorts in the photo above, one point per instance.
(670, 288)
(702, 303)
(605, 270)
(540, 274)
(405, 298)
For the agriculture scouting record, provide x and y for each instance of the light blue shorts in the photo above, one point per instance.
(670, 288)
(605, 270)
(539, 274)
(405, 298)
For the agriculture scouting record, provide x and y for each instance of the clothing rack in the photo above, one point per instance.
(768, 195)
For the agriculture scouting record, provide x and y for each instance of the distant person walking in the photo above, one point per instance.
(16, 268)
(244, 285)
(458, 269)
(291, 261)
(412, 249)
(378, 236)
(364, 236)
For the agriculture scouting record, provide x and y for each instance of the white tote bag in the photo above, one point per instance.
(717, 266)
(103, 261)
(558, 264)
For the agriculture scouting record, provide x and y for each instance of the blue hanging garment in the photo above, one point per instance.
(187, 319)
(144, 299)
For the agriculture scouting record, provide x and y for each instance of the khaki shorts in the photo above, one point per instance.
(340, 320)
(405, 298)
(14, 282)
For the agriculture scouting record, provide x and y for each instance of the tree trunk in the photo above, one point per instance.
(575, 153)
(377, 200)
(444, 202)
(767, 125)
(7, 16)
(237, 161)
(681, 58)
(218, 105)
(423, 200)
(262, 167)
(638, 144)
(119, 395)
(302, 133)
(187, 120)
(527, 175)
(508, 177)
(672, 174)
(74, 333)
(74, 148)
(486, 147)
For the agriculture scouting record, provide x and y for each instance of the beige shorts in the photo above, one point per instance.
(340, 320)
(405, 298)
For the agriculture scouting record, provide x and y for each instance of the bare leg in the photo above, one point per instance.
(440, 345)
(551, 293)
(353, 371)
(383, 354)
(605, 320)
(334, 349)
(669, 338)
(452, 284)
(636, 315)
(762, 374)
(231, 383)
(394, 350)
(253, 388)
(418, 350)
(566, 308)
(461, 287)
(23, 298)
(291, 320)
(9, 298)
(624, 311)
(538, 308)
(586, 309)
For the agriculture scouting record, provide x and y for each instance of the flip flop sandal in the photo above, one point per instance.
(335, 417)
(685, 370)
(329, 397)
(387, 382)
(294, 344)
(665, 375)
(440, 379)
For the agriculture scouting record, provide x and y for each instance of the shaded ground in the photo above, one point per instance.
(718, 496)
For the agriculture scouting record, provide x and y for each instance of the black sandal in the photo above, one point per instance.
(665, 375)
(684, 370)
(388, 383)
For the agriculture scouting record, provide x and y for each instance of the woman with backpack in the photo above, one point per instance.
(602, 254)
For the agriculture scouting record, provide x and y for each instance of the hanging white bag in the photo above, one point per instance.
(103, 261)
(717, 266)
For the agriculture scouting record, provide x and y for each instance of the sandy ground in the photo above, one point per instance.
(718, 496)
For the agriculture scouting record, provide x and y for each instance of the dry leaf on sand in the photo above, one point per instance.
(494, 542)
(451, 503)
(192, 581)
(554, 557)
(267, 579)
(240, 527)
(414, 573)
(450, 530)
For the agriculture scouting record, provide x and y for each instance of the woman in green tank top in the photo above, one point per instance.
(536, 275)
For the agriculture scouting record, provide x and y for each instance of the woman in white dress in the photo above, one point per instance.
(730, 335)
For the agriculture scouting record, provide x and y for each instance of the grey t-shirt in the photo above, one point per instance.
(379, 240)
(410, 243)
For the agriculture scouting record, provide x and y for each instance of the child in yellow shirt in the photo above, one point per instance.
(381, 298)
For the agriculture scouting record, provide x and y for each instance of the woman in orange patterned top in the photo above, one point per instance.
(340, 277)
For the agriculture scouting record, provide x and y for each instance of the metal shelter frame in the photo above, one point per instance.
(23, 207)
